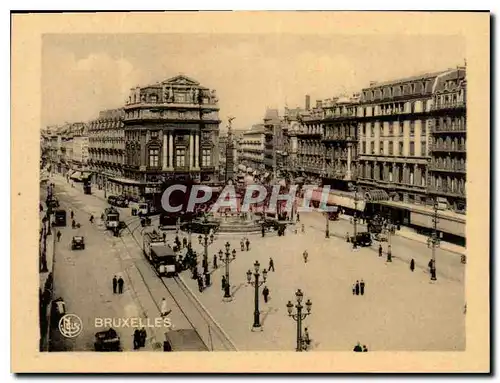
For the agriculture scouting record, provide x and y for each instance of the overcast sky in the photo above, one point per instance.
(83, 74)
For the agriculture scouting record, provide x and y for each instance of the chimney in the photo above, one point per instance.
(308, 102)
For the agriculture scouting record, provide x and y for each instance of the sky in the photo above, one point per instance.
(83, 74)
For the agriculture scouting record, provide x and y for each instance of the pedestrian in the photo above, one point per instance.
(200, 283)
(58, 236)
(380, 250)
(357, 288)
(224, 282)
(298, 217)
(163, 308)
(248, 244)
(412, 265)
(91, 219)
(137, 339)
(271, 264)
(347, 238)
(431, 265)
(307, 339)
(215, 261)
(164, 237)
(303, 228)
(184, 242)
(263, 231)
(364, 348)
(305, 255)
(143, 337)
(362, 287)
(265, 293)
(358, 348)
(120, 285)
(242, 244)
(207, 279)
(353, 289)
(72, 215)
(389, 254)
(115, 283)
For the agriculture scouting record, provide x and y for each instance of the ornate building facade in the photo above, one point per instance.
(106, 152)
(171, 132)
(447, 167)
(394, 131)
(252, 146)
(340, 141)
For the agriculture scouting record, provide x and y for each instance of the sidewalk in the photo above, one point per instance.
(431, 312)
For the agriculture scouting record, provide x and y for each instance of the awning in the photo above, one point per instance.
(376, 196)
(334, 199)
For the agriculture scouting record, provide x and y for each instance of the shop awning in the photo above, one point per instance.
(376, 196)
(346, 201)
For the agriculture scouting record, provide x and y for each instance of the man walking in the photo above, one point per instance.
(215, 261)
(362, 287)
(242, 244)
(412, 265)
(265, 293)
(248, 244)
(305, 255)
(58, 236)
(163, 308)
(115, 283)
(120, 285)
(357, 287)
(380, 250)
(389, 254)
(271, 264)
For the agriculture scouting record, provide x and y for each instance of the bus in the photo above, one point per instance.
(159, 254)
(111, 218)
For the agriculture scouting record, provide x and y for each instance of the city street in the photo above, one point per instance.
(400, 310)
(83, 279)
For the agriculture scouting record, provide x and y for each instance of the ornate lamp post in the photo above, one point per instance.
(256, 283)
(299, 316)
(355, 216)
(433, 241)
(227, 260)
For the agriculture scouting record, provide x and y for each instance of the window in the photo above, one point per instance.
(424, 149)
(372, 130)
(412, 178)
(390, 148)
(381, 147)
(363, 145)
(400, 150)
(412, 129)
(205, 157)
(154, 134)
(391, 128)
(154, 157)
(372, 147)
(412, 148)
(180, 157)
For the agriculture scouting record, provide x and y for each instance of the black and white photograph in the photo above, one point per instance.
(255, 192)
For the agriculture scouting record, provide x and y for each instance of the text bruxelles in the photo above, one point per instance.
(132, 322)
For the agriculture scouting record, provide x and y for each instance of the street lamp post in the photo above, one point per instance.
(355, 215)
(299, 316)
(434, 241)
(227, 260)
(203, 240)
(327, 230)
(256, 283)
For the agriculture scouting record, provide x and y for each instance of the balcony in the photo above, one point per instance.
(449, 169)
(448, 130)
(449, 105)
(449, 149)
(309, 133)
(338, 137)
(446, 192)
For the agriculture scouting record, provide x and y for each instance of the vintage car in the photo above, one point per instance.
(362, 239)
(78, 242)
(107, 340)
(381, 237)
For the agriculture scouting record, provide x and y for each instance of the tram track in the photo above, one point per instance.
(196, 315)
